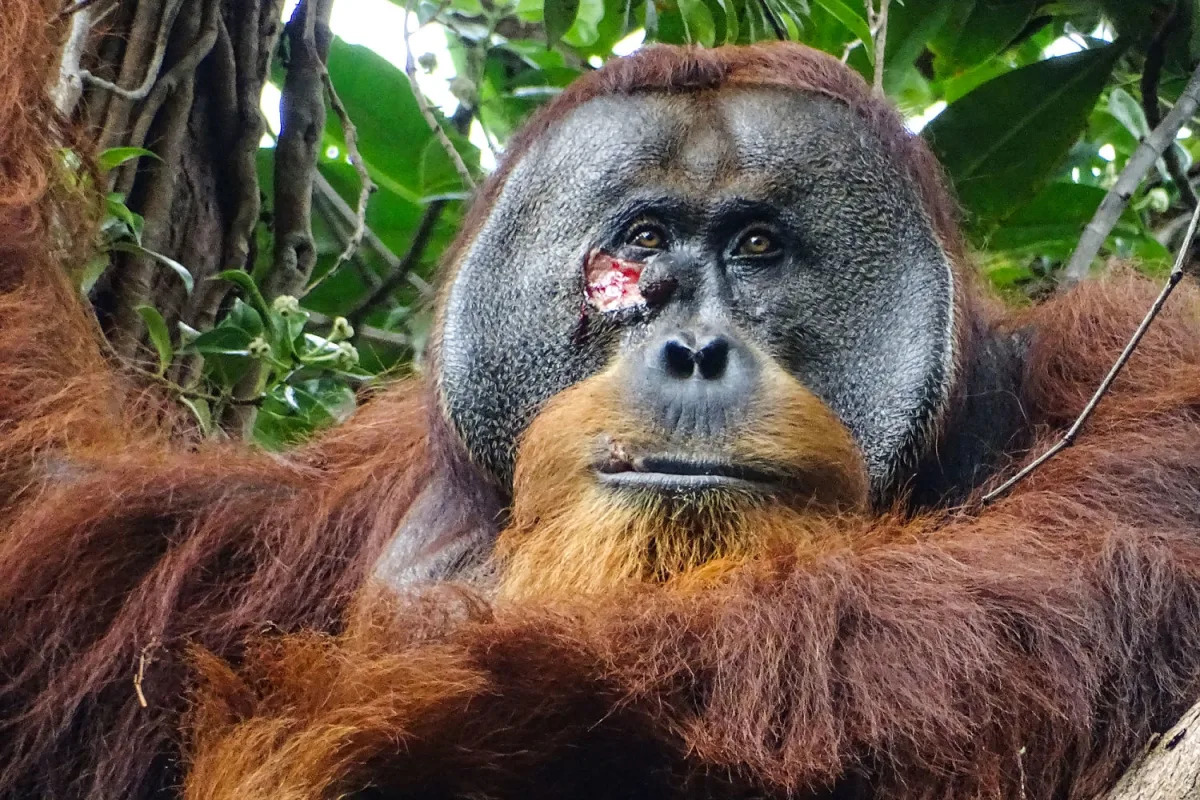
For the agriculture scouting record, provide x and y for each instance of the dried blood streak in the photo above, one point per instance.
(612, 284)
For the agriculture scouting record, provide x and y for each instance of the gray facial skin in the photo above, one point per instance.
(856, 302)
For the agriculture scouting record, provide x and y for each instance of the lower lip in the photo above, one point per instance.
(673, 482)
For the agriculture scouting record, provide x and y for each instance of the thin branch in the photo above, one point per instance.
(881, 29)
(302, 113)
(410, 69)
(341, 231)
(156, 61)
(1114, 203)
(345, 215)
(179, 77)
(70, 9)
(69, 89)
(1177, 272)
(366, 185)
(404, 267)
(1156, 54)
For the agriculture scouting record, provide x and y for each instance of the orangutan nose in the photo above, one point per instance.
(695, 380)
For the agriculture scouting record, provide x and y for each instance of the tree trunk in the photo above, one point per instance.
(182, 78)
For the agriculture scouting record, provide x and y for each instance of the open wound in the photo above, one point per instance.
(612, 284)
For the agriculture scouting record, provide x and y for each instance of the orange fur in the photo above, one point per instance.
(1025, 650)
(570, 536)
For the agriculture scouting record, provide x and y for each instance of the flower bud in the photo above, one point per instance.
(347, 355)
(258, 347)
(341, 330)
(286, 304)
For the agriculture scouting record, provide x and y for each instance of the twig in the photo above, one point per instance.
(1113, 204)
(881, 28)
(1156, 54)
(174, 388)
(401, 270)
(366, 185)
(337, 205)
(341, 230)
(156, 61)
(410, 69)
(1177, 272)
(140, 676)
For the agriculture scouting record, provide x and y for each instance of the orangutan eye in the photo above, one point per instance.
(646, 235)
(756, 243)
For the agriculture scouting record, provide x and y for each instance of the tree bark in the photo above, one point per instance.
(1170, 768)
(182, 78)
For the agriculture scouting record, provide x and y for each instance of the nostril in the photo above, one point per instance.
(712, 358)
(679, 359)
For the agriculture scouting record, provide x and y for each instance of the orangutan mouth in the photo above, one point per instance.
(681, 473)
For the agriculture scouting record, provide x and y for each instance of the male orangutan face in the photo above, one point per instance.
(742, 289)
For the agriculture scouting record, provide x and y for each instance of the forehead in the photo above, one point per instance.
(738, 140)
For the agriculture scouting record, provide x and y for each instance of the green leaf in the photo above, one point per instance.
(245, 318)
(134, 223)
(989, 28)
(584, 31)
(1050, 223)
(1129, 112)
(1003, 141)
(246, 283)
(698, 23)
(289, 328)
(92, 271)
(1194, 39)
(729, 8)
(187, 334)
(910, 27)
(853, 20)
(559, 16)
(189, 282)
(290, 414)
(391, 128)
(200, 410)
(116, 156)
(222, 340)
(160, 337)
(1007, 275)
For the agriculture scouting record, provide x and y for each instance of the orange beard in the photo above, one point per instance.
(570, 535)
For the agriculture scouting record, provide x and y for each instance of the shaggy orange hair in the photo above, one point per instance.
(1026, 650)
